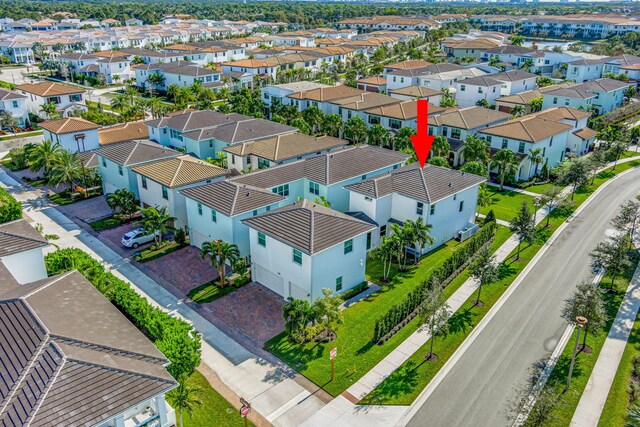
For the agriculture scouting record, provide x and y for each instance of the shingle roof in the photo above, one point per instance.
(428, 184)
(135, 152)
(240, 131)
(285, 147)
(480, 81)
(232, 198)
(18, 236)
(75, 360)
(470, 117)
(327, 168)
(123, 132)
(513, 75)
(307, 226)
(49, 89)
(68, 125)
(527, 128)
(179, 171)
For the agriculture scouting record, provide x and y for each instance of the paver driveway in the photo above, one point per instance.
(183, 269)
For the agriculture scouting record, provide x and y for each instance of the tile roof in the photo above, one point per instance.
(527, 128)
(405, 65)
(365, 101)
(232, 198)
(179, 171)
(428, 184)
(19, 236)
(88, 159)
(76, 359)
(405, 110)
(560, 113)
(373, 80)
(585, 133)
(285, 147)
(240, 131)
(325, 94)
(480, 81)
(192, 120)
(135, 152)
(49, 89)
(68, 125)
(123, 132)
(308, 226)
(416, 91)
(513, 76)
(524, 98)
(6, 94)
(470, 117)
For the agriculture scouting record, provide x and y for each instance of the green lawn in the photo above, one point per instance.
(209, 292)
(506, 203)
(356, 353)
(152, 253)
(540, 188)
(614, 413)
(214, 411)
(106, 223)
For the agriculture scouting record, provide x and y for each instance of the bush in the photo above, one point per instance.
(491, 217)
(175, 338)
(180, 237)
(10, 208)
(355, 291)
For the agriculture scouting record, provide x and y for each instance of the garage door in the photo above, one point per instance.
(298, 292)
(269, 280)
(197, 239)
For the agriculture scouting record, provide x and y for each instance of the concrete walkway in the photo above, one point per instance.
(595, 394)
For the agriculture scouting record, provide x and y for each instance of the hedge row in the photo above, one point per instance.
(175, 338)
(10, 208)
(401, 314)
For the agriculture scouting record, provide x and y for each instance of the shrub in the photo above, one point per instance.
(175, 338)
(180, 237)
(491, 217)
(346, 295)
(10, 208)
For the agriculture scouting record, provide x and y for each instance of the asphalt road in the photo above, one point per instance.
(479, 387)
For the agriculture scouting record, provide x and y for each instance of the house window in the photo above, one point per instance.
(262, 239)
(383, 231)
(338, 284)
(348, 246)
(200, 209)
(505, 143)
(165, 192)
(104, 163)
(297, 257)
(479, 90)
(555, 101)
(461, 206)
(432, 210)
(262, 163)
(282, 190)
(521, 147)
(395, 124)
(314, 188)
(214, 215)
(255, 212)
(368, 240)
(455, 133)
(120, 171)
(419, 208)
(374, 120)
(75, 98)
(462, 88)
(15, 104)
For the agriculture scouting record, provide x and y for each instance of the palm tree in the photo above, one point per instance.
(378, 135)
(517, 110)
(536, 157)
(610, 134)
(184, 398)
(50, 109)
(314, 117)
(155, 106)
(419, 232)
(440, 146)
(119, 102)
(384, 252)
(156, 79)
(66, 169)
(173, 90)
(355, 130)
(332, 125)
(484, 196)
(219, 253)
(506, 161)
(184, 97)
(155, 221)
(475, 149)
(44, 156)
(132, 93)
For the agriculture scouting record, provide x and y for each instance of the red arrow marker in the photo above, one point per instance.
(422, 141)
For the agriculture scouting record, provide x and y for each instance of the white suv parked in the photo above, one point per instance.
(136, 237)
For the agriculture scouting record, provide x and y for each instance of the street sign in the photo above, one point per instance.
(334, 353)
(245, 410)
(244, 402)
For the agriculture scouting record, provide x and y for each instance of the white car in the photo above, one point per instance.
(136, 237)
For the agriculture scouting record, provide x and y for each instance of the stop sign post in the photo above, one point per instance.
(332, 355)
(245, 410)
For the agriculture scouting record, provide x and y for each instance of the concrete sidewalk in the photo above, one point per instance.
(595, 393)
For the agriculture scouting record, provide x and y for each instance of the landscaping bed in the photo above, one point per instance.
(66, 197)
(505, 203)
(209, 292)
(156, 251)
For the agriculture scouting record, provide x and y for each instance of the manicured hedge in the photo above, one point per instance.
(10, 208)
(401, 314)
(175, 338)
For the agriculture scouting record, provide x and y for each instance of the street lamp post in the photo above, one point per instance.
(580, 323)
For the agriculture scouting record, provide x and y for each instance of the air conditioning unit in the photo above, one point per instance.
(467, 232)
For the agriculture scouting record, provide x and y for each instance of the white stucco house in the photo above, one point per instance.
(116, 69)
(66, 98)
(22, 252)
(292, 246)
(581, 136)
(469, 92)
(600, 96)
(72, 133)
(15, 104)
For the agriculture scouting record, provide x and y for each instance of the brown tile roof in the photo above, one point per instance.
(179, 171)
(470, 117)
(285, 147)
(560, 113)
(428, 184)
(416, 91)
(18, 236)
(374, 80)
(527, 128)
(75, 359)
(232, 198)
(68, 125)
(365, 101)
(6, 94)
(307, 226)
(49, 89)
(405, 110)
(585, 133)
(135, 152)
(324, 94)
(405, 65)
(123, 132)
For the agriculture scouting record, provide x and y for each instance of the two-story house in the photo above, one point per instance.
(15, 104)
(74, 134)
(600, 96)
(66, 98)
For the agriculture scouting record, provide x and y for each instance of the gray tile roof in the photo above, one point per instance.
(513, 76)
(19, 236)
(6, 95)
(481, 81)
(74, 359)
(307, 226)
(428, 184)
(241, 130)
(135, 152)
(232, 198)
(193, 120)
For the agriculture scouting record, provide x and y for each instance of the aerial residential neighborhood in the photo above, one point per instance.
(319, 213)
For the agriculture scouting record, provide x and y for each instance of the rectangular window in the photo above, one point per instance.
(479, 90)
(374, 120)
(262, 239)
(144, 182)
(282, 190)
(255, 212)
(314, 188)
(200, 209)
(505, 143)
(297, 257)
(120, 171)
(432, 210)
(521, 147)
(214, 215)
(555, 101)
(75, 98)
(455, 133)
(165, 192)
(104, 163)
(338, 284)
(368, 240)
(383, 231)
(461, 206)
(462, 88)
(262, 163)
(348, 246)
(419, 208)
(15, 104)
(395, 124)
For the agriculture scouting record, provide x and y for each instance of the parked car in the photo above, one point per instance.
(137, 237)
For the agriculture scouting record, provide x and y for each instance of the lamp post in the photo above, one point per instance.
(580, 323)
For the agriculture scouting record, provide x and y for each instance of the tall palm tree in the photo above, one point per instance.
(173, 90)
(131, 93)
(484, 197)
(313, 116)
(440, 146)
(475, 149)
(155, 106)
(506, 161)
(184, 97)
(378, 135)
(536, 157)
(419, 233)
(355, 130)
(119, 102)
(44, 156)
(184, 398)
(332, 125)
(220, 252)
(50, 109)
(66, 169)
(155, 220)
